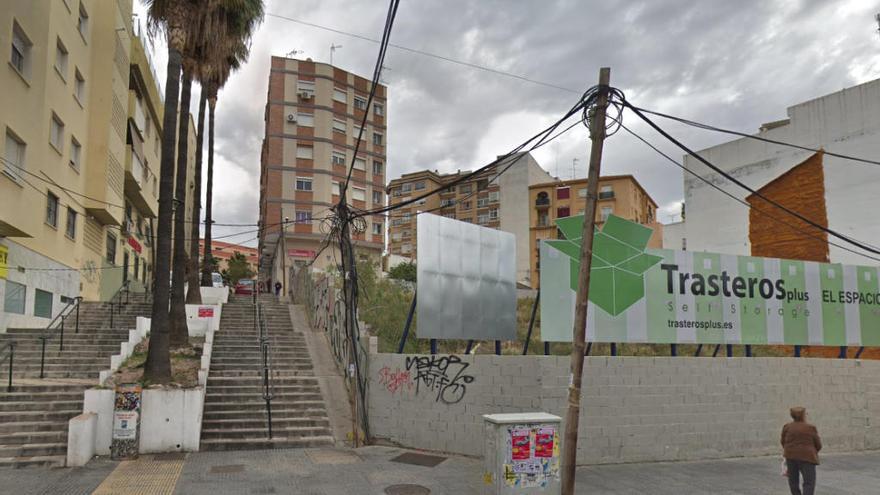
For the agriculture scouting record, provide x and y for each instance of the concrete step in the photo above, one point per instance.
(32, 437)
(277, 412)
(41, 405)
(244, 398)
(265, 443)
(257, 404)
(25, 396)
(261, 422)
(34, 449)
(277, 431)
(60, 416)
(33, 461)
(30, 426)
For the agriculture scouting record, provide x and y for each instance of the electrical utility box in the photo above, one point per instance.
(521, 454)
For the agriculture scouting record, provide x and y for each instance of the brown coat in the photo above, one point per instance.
(800, 442)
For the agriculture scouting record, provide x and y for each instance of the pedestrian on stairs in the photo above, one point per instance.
(277, 289)
(801, 446)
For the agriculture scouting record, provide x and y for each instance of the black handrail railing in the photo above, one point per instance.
(116, 302)
(268, 395)
(11, 355)
(57, 323)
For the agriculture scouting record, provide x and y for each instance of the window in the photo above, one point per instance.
(406, 248)
(358, 132)
(606, 212)
(482, 218)
(377, 197)
(446, 202)
(377, 139)
(15, 297)
(303, 183)
(582, 193)
(307, 87)
(338, 158)
(70, 232)
(493, 214)
(483, 202)
(14, 159)
(360, 164)
(493, 196)
(406, 188)
(52, 209)
(378, 109)
(340, 95)
(61, 59)
(305, 119)
(377, 229)
(56, 136)
(75, 152)
(464, 189)
(562, 212)
(21, 50)
(111, 249)
(79, 91)
(339, 126)
(606, 192)
(468, 220)
(449, 215)
(42, 303)
(360, 103)
(303, 217)
(419, 186)
(358, 194)
(137, 266)
(334, 188)
(543, 221)
(466, 205)
(82, 23)
(306, 152)
(562, 192)
(377, 167)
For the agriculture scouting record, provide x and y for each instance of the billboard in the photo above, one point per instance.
(466, 280)
(665, 296)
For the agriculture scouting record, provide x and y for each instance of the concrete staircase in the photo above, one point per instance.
(34, 415)
(235, 413)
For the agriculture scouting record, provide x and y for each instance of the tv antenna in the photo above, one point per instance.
(292, 53)
(573, 163)
(333, 48)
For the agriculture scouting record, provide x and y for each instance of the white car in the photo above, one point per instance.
(217, 280)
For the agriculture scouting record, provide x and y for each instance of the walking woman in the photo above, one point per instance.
(801, 446)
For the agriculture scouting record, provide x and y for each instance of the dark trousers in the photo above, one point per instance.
(796, 469)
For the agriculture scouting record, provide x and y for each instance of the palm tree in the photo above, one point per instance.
(173, 15)
(195, 296)
(233, 28)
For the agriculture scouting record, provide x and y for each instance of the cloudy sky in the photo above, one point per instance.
(733, 64)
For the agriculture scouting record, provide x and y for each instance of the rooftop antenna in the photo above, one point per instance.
(573, 163)
(333, 48)
(292, 53)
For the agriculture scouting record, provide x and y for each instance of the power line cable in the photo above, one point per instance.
(739, 183)
(740, 201)
(427, 54)
(708, 127)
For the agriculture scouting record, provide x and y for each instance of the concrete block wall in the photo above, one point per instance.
(633, 408)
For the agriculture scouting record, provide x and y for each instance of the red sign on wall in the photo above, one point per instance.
(135, 244)
(206, 312)
(301, 253)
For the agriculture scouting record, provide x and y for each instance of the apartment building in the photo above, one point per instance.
(80, 157)
(312, 120)
(619, 195)
(223, 252)
(491, 199)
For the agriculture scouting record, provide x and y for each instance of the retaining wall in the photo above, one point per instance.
(633, 408)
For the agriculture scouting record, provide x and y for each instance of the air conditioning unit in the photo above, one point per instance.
(305, 95)
(291, 118)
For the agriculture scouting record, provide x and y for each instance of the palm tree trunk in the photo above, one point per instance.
(179, 332)
(209, 190)
(157, 368)
(195, 296)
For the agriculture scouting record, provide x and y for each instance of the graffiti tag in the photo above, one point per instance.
(444, 375)
(394, 381)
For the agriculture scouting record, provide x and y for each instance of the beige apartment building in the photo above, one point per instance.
(312, 120)
(80, 155)
(619, 195)
(491, 199)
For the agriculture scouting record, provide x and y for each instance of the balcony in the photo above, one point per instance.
(542, 201)
(136, 177)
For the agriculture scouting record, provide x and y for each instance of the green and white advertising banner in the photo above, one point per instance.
(664, 296)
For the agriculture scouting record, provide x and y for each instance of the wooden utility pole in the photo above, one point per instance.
(570, 438)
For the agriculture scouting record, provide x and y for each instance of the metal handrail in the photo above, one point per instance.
(266, 365)
(123, 289)
(11, 354)
(57, 323)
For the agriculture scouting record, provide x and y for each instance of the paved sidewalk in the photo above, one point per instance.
(369, 471)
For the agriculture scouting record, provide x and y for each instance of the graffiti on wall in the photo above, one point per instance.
(396, 380)
(441, 375)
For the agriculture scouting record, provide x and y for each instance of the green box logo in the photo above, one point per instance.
(619, 261)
